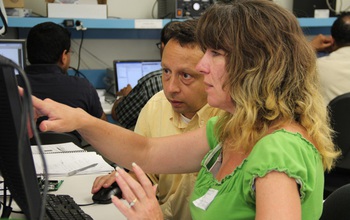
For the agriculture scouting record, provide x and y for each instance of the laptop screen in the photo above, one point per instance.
(14, 49)
(129, 72)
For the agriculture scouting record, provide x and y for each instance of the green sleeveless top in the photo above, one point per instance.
(234, 196)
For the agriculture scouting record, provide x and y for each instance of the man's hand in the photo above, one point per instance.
(322, 43)
(103, 181)
(124, 91)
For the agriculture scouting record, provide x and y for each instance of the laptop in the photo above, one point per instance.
(130, 71)
(15, 50)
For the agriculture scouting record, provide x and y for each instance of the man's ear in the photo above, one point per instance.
(64, 58)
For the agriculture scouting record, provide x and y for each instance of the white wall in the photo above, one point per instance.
(100, 53)
(342, 5)
(115, 8)
(288, 4)
(132, 8)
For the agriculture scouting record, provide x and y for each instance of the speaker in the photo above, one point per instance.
(182, 8)
(166, 9)
(191, 8)
(308, 8)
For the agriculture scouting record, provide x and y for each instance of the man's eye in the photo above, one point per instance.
(166, 71)
(186, 76)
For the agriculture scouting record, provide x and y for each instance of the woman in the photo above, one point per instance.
(265, 157)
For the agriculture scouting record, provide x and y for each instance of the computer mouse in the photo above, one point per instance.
(103, 196)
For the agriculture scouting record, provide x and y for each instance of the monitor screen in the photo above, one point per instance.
(14, 49)
(129, 72)
(16, 160)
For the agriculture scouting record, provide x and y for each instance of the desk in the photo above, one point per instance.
(106, 101)
(107, 106)
(79, 187)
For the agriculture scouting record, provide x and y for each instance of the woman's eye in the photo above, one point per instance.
(215, 53)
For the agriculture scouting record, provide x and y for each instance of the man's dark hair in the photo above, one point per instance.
(341, 30)
(168, 30)
(186, 33)
(46, 43)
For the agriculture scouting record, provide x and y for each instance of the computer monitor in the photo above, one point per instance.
(130, 71)
(16, 160)
(15, 50)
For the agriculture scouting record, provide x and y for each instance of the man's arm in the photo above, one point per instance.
(120, 95)
(104, 117)
(322, 43)
(115, 105)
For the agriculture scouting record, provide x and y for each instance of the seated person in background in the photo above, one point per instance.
(180, 108)
(334, 69)
(127, 108)
(48, 51)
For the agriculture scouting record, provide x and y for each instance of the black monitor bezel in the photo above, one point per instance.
(16, 160)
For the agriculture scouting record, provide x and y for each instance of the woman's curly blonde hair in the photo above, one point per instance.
(272, 75)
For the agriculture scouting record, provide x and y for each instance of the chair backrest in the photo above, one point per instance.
(339, 109)
(337, 205)
(56, 138)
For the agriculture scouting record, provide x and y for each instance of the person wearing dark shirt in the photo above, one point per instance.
(48, 51)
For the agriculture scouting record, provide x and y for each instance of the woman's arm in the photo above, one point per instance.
(174, 154)
(277, 197)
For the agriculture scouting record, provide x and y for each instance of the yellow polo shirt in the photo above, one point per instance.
(157, 119)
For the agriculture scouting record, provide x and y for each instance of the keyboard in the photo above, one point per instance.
(63, 207)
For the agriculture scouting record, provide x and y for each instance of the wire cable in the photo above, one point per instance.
(88, 52)
(77, 72)
(3, 16)
(79, 51)
(331, 8)
(153, 7)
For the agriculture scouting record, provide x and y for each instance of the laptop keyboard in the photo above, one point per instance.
(63, 207)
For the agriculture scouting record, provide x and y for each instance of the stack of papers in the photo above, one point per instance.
(68, 159)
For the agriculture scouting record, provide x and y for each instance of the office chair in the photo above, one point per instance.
(339, 109)
(56, 138)
(336, 206)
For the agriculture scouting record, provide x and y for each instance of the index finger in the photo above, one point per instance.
(143, 180)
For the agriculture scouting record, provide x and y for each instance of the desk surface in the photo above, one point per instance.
(106, 101)
(79, 187)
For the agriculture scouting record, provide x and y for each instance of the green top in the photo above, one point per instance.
(235, 199)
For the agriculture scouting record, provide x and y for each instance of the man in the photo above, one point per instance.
(48, 51)
(127, 108)
(334, 69)
(181, 107)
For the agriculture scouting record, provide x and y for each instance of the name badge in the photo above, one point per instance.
(204, 201)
